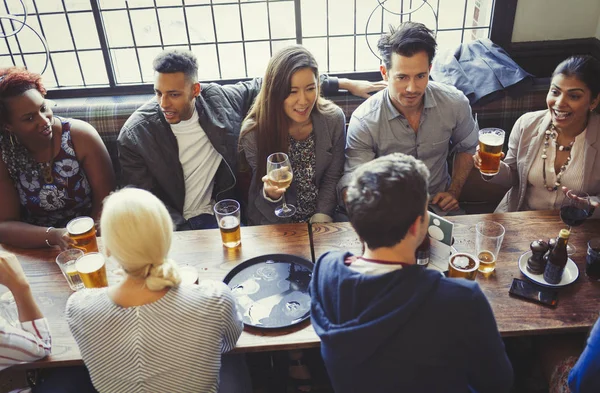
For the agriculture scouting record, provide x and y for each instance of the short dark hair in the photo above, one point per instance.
(410, 38)
(585, 68)
(385, 197)
(171, 61)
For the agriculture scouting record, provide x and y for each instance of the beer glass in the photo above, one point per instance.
(488, 240)
(491, 141)
(280, 175)
(227, 213)
(592, 260)
(463, 265)
(92, 270)
(83, 231)
(66, 261)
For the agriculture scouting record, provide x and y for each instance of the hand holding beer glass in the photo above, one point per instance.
(227, 213)
(488, 240)
(489, 153)
(279, 176)
(82, 231)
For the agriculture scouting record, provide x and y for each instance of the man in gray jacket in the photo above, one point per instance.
(182, 146)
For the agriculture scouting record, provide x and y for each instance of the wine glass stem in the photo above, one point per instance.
(284, 205)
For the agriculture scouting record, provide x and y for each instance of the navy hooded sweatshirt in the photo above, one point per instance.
(411, 330)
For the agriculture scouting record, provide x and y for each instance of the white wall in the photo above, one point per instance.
(541, 20)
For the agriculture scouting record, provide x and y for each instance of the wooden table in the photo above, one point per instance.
(201, 249)
(578, 304)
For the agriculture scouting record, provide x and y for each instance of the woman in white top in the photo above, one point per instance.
(147, 333)
(558, 147)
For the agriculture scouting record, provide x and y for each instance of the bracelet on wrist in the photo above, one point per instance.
(47, 233)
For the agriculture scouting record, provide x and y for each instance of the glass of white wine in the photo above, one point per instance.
(280, 175)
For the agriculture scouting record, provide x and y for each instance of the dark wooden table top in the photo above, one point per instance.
(578, 304)
(201, 249)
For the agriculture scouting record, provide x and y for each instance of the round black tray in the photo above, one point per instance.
(272, 290)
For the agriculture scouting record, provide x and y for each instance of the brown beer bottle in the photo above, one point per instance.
(557, 259)
(422, 252)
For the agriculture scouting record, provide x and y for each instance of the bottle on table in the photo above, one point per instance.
(422, 252)
(557, 258)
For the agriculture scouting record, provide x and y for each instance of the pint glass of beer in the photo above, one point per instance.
(92, 270)
(491, 141)
(463, 265)
(227, 213)
(488, 240)
(83, 231)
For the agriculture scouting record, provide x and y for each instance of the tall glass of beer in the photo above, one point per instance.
(463, 265)
(488, 240)
(92, 270)
(227, 213)
(491, 141)
(83, 231)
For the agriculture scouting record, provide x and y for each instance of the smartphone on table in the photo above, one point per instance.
(530, 291)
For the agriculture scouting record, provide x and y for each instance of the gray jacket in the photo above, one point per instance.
(330, 139)
(525, 138)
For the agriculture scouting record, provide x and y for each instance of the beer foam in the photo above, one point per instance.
(80, 225)
(491, 139)
(461, 262)
(89, 262)
(229, 222)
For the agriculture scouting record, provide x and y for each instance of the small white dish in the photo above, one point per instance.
(189, 275)
(569, 276)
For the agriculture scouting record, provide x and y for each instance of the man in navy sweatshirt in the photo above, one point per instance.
(388, 325)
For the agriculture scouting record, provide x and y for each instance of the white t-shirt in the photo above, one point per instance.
(200, 162)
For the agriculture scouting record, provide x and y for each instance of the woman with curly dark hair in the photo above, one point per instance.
(52, 169)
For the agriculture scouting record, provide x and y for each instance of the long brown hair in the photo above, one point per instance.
(266, 117)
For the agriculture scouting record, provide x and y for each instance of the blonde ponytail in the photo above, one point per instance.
(163, 275)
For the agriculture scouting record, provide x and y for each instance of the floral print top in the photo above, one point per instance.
(67, 197)
(304, 161)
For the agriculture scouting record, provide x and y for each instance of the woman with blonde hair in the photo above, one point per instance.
(291, 117)
(148, 333)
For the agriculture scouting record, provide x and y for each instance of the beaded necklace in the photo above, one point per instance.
(552, 132)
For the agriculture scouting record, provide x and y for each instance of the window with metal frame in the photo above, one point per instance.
(110, 44)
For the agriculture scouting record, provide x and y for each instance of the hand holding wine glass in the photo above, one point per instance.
(278, 179)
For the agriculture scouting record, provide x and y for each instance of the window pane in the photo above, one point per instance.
(36, 63)
(146, 58)
(200, 24)
(28, 40)
(227, 19)
(47, 6)
(15, 8)
(117, 29)
(94, 71)
(5, 61)
(451, 13)
(56, 31)
(283, 22)
(341, 17)
(208, 66)
(232, 61)
(257, 55)
(448, 39)
(126, 66)
(318, 47)
(172, 25)
(256, 24)
(341, 54)
(145, 27)
(67, 69)
(111, 4)
(363, 11)
(194, 2)
(314, 18)
(84, 30)
(475, 34)
(365, 59)
(3, 46)
(277, 45)
(161, 3)
(78, 5)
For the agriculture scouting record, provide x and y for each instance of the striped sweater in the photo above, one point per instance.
(171, 345)
(31, 342)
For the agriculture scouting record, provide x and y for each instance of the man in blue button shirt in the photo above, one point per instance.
(414, 116)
